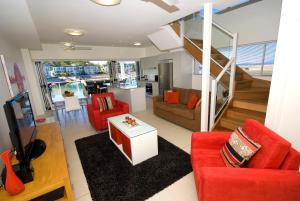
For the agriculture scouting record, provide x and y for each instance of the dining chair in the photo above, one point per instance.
(71, 104)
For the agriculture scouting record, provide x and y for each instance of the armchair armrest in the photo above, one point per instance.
(123, 106)
(248, 184)
(198, 112)
(209, 140)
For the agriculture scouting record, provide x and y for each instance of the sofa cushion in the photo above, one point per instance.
(192, 101)
(291, 161)
(95, 102)
(166, 95)
(207, 158)
(173, 97)
(182, 111)
(105, 103)
(178, 110)
(273, 147)
(196, 92)
(110, 113)
(164, 106)
(238, 149)
(184, 95)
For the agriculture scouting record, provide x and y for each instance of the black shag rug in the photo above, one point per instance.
(111, 177)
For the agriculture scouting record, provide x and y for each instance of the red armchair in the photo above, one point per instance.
(99, 119)
(271, 175)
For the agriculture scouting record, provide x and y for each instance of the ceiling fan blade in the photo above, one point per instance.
(162, 4)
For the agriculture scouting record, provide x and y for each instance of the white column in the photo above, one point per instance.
(206, 65)
(283, 107)
(34, 86)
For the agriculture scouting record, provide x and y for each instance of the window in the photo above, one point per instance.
(197, 68)
(257, 58)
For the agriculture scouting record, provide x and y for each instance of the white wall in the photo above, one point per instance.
(182, 67)
(12, 54)
(33, 83)
(283, 106)
(55, 51)
(254, 23)
(197, 82)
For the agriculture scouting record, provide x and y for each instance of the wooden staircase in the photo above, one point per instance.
(250, 95)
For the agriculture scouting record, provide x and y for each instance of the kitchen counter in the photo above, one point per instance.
(133, 95)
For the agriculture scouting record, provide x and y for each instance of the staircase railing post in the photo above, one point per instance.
(213, 99)
(233, 66)
(207, 26)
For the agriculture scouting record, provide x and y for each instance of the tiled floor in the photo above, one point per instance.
(75, 126)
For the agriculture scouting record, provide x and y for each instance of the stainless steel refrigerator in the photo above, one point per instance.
(165, 76)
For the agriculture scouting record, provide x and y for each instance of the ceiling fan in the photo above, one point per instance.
(167, 5)
(72, 45)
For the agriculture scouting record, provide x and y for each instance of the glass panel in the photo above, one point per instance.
(269, 58)
(221, 40)
(222, 93)
(197, 68)
(193, 26)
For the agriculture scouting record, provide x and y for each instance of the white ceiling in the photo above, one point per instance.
(30, 22)
(119, 25)
(16, 24)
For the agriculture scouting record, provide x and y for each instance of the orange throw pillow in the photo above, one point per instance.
(192, 102)
(166, 95)
(173, 97)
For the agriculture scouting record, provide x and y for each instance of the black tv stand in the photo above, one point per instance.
(38, 148)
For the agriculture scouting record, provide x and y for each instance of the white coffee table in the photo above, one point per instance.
(137, 143)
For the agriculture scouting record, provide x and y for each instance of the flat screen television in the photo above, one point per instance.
(20, 118)
(21, 124)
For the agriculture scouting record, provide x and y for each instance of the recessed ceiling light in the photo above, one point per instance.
(107, 2)
(74, 32)
(137, 44)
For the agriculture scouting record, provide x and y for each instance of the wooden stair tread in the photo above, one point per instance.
(243, 84)
(231, 123)
(250, 95)
(221, 129)
(254, 89)
(255, 101)
(243, 81)
(251, 104)
(245, 111)
(244, 114)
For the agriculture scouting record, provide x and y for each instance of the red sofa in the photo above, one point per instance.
(270, 175)
(99, 119)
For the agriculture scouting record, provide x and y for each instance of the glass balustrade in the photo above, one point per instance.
(193, 27)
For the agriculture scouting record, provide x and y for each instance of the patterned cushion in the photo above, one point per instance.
(109, 103)
(105, 103)
(238, 149)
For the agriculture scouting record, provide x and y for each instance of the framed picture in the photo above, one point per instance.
(3, 66)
